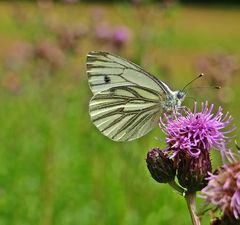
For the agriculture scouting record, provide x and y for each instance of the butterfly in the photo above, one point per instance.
(127, 101)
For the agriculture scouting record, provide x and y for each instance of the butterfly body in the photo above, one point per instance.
(127, 101)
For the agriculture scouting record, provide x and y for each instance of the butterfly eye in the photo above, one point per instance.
(180, 94)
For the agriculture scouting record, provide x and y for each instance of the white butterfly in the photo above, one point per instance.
(127, 101)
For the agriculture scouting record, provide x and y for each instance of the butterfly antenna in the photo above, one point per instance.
(211, 87)
(200, 75)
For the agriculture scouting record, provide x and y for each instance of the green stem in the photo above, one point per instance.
(179, 189)
(191, 203)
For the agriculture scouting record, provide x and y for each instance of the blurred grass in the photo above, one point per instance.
(56, 168)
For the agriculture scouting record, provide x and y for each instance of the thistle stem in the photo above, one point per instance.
(178, 188)
(191, 203)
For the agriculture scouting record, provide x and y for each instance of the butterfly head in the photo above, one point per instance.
(180, 96)
(174, 101)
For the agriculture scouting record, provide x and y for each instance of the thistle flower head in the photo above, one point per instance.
(121, 36)
(195, 131)
(223, 190)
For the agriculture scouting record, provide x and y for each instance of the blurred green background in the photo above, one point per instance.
(55, 166)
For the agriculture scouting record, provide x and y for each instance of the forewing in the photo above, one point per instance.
(127, 112)
(106, 70)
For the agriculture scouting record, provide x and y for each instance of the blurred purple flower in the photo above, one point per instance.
(45, 4)
(121, 35)
(115, 37)
(197, 131)
(69, 37)
(103, 33)
(70, 1)
(223, 190)
(168, 3)
(50, 52)
(219, 67)
(136, 2)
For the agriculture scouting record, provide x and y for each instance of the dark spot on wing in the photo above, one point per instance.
(107, 79)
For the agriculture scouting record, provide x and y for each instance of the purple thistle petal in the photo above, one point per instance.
(223, 190)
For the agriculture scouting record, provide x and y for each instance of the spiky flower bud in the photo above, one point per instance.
(160, 166)
(193, 171)
(226, 220)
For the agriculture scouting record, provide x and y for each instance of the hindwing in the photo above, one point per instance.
(124, 113)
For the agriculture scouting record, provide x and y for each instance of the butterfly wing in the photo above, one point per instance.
(124, 113)
(106, 70)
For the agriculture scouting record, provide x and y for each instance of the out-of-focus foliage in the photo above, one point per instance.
(143, 1)
(55, 167)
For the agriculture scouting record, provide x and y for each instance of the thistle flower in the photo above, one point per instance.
(190, 137)
(196, 132)
(121, 36)
(69, 1)
(69, 36)
(220, 68)
(103, 33)
(50, 53)
(223, 191)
